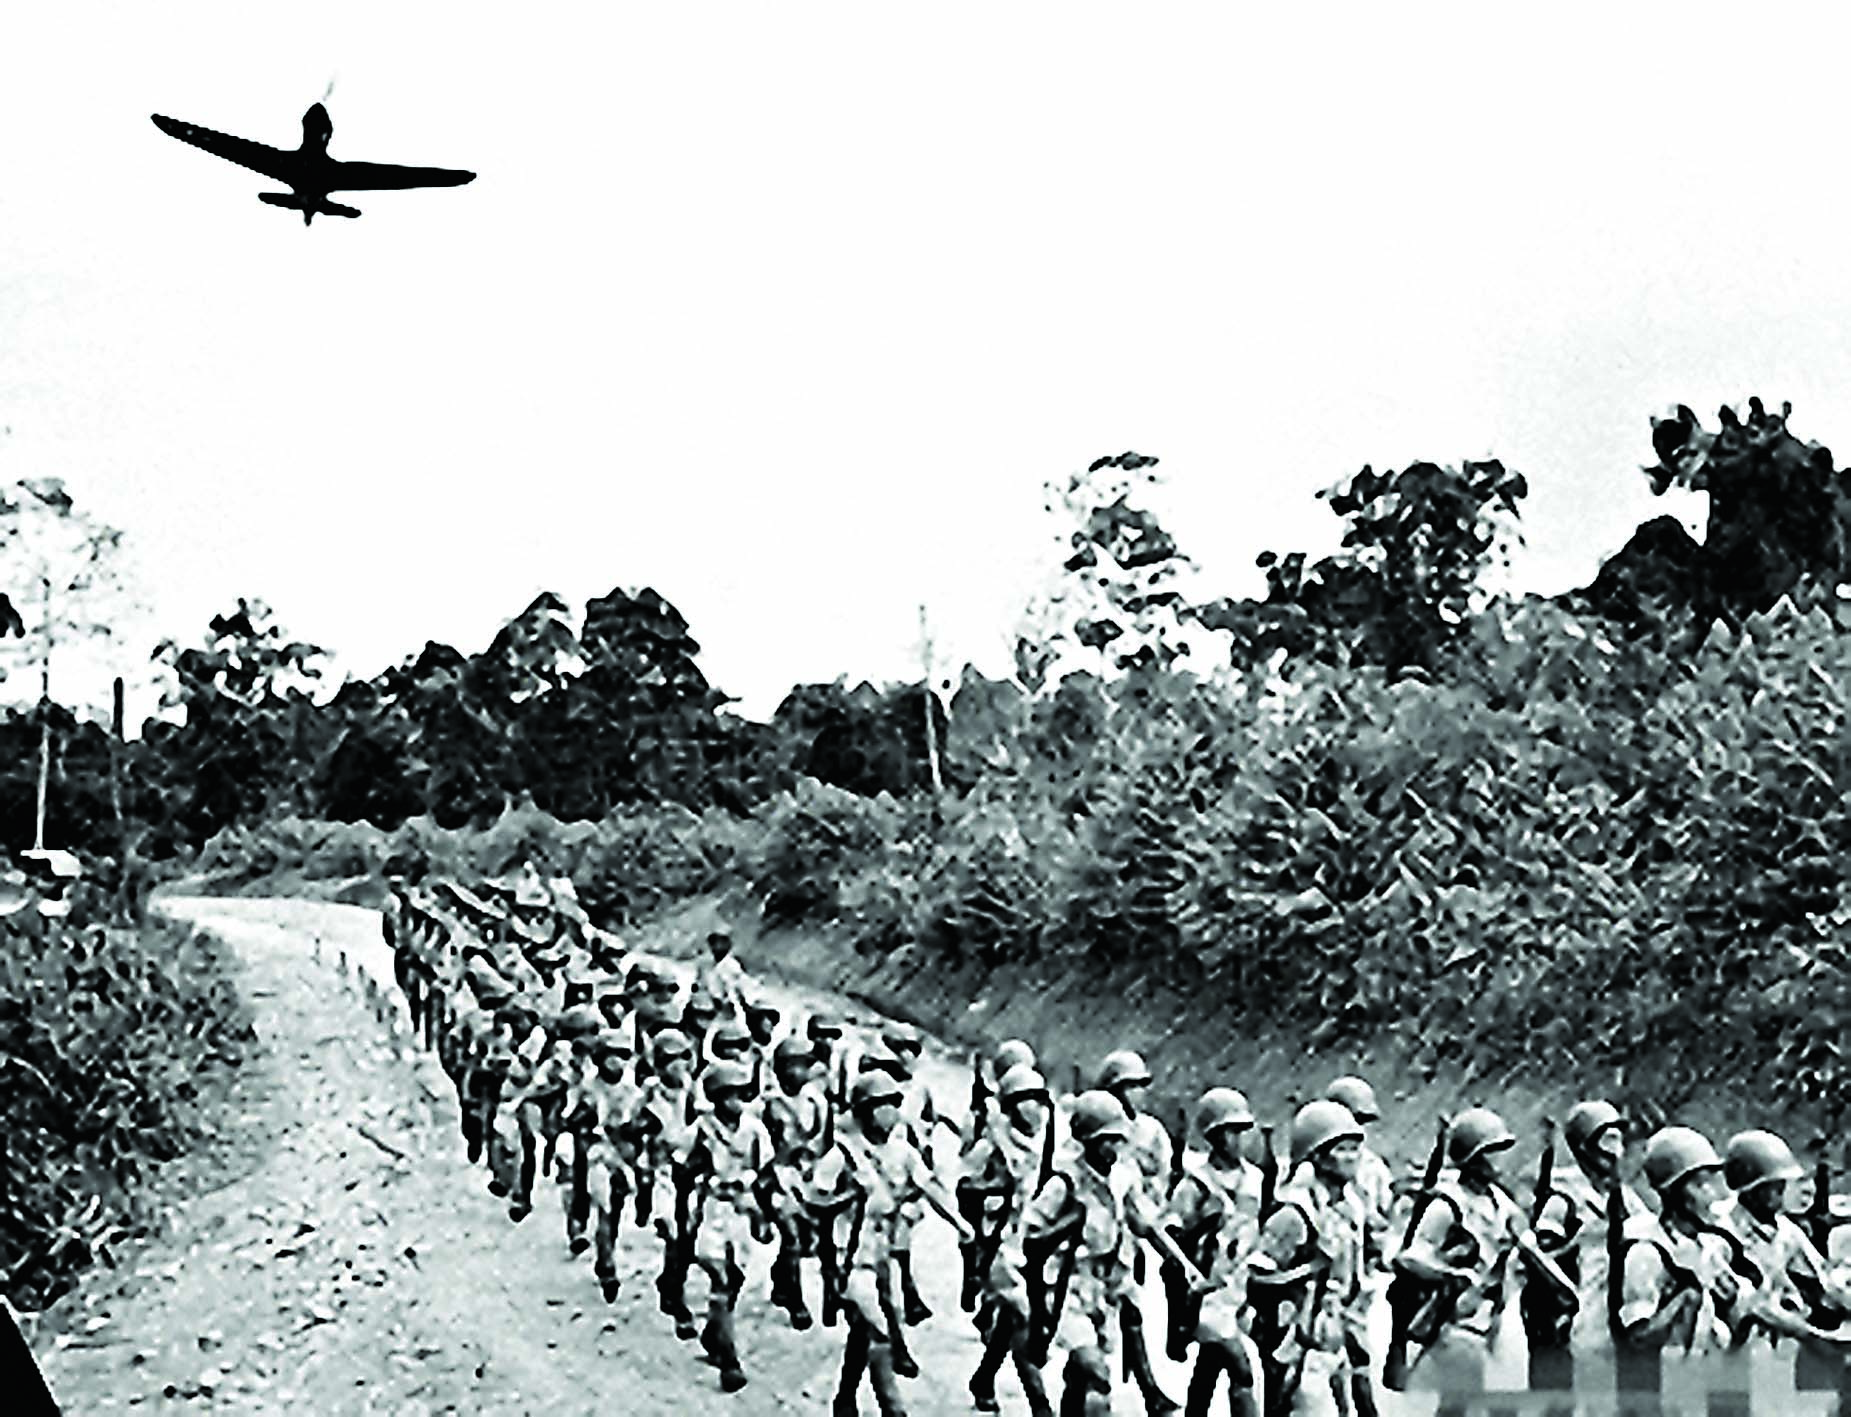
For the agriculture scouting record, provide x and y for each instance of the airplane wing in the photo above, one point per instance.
(272, 162)
(379, 176)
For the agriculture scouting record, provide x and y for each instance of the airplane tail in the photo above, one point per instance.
(310, 210)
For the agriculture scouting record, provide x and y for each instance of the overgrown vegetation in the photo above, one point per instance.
(112, 1042)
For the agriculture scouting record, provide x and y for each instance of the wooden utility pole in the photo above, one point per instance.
(38, 831)
(931, 727)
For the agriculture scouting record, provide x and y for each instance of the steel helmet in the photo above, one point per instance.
(880, 1060)
(1022, 1081)
(1099, 1114)
(579, 1021)
(873, 1090)
(823, 1026)
(610, 1043)
(729, 1032)
(901, 1037)
(1357, 1095)
(1754, 1158)
(791, 1051)
(1586, 1121)
(1476, 1131)
(1123, 1069)
(1677, 1152)
(1009, 1053)
(726, 1077)
(673, 1043)
(763, 1008)
(1319, 1124)
(1222, 1107)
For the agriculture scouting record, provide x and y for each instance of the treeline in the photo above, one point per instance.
(1604, 827)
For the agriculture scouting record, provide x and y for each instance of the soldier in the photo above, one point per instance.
(722, 980)
(857, 1188)
(654, 998)
(794, 1114)
(762, 1018)
(698, 1018)
(603, 1110)
(1464, 1243)
(1147, 1151)
(495, 1050)
(1571, 1228)
(1002, 1172)
(1305, 1272)
(1677, 1285)
(1798, 1296)
(668, 1101)
(985, 1074)
(1375, 1179)
(919, 1122)
(726, 1153)
(1092, 1210)
(1214, 1217)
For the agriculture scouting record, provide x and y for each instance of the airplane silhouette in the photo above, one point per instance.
(309, 171)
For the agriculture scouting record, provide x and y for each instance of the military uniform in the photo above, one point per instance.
(1662, 1261)
(1101, 1275)
(1573, 1228)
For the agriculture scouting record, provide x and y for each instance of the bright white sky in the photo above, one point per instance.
(789, 311)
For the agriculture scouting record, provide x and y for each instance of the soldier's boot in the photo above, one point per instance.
(578, 1203)
(854, 1364)
(1086, 1389)
(1034, 1383)
(1157, 1402)
(1203, 1380)
(718, 1341)
(900, 1356)
(883, 1375)
(970, 1207)
(1176, 1305)
(529, 1162)
(472, 1124)
(996, 1346)
(1362, 1391)
(913, 1309)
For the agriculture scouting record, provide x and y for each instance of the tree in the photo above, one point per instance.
(1407, 580)
(1778, 515)
(59, 585)
(250, 743)
(1117, 602)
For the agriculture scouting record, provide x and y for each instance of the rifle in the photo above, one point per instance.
(979, 1096)
(1407, 1295)
(1546, 1320)
(1270, 1293)
(1269, 1175)
(1044, 1317)
(1819, 1222)
(1176, 1151)
(1616, 1256)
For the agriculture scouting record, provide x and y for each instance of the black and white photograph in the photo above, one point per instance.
(1018, 708)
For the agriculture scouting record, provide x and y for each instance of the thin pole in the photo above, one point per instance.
(38, 831)
(931, 729)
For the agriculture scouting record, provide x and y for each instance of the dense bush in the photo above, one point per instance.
(109, 1041)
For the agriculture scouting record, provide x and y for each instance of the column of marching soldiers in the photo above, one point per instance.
(709, 1125)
